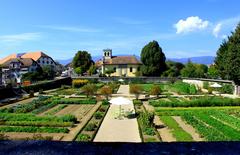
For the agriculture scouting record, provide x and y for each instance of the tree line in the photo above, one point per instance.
(154, 63)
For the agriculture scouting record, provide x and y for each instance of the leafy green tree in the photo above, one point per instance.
(92, 70)
(173, 69)
(89, 89)
(109, 72)
(188, 70)
(48, 71)
(78, 71)
(106, 91)
(83, 60)
(155, 90)
(222, 61)
(200, 70)
(136, 90)
(213, 72)
(194, 70)
(228, 57)
(153, 59)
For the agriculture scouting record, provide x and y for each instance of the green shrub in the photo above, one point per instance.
(183, 88)
(98, 115)
(146, 119)
(137, 102)
(105, 102)
(205, 85)
(227, 88)
(83, 138)
(48, 85)
(77, 83)
(149, 131)
(210, 90)
(90, 126)
(69, 118)
(103, 108)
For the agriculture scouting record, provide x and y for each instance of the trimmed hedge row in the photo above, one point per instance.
(198, 102)
(48, 85)
(76, 101)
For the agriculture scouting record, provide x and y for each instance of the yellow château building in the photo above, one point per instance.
(125, 66)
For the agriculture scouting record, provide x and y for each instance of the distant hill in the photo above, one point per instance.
(207, 60)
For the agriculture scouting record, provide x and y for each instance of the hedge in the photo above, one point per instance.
(48, 85)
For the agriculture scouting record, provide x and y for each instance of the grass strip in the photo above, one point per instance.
(177, 131)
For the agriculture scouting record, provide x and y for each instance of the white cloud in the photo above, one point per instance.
(193, 23)
(20, 37)
(223, 27)
(70, 28)
(217, 29)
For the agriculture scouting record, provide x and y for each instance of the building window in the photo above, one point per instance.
(130, 69)
(138, 69)
(47, 62)
(114, 69)
(43, 62)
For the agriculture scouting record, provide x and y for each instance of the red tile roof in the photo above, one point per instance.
(34, 55)
(123, 60)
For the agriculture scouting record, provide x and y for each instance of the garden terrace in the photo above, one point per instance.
(212, 123)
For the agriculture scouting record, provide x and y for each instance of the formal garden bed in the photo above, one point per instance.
(90, 130)
(147, 129)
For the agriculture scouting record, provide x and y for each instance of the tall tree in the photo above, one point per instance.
(213, 72)
(153, 59)
(83, 60)
(173, 69)
(222, 59)
(228, 57)
(194, 70)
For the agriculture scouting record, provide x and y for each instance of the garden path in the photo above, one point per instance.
(119, 130)
(188, 128)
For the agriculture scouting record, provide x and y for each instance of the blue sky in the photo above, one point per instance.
(61, 27)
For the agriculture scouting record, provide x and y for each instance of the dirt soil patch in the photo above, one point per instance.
(77, 110)
(23, 135)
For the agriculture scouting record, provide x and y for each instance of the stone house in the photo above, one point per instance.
(125, 66)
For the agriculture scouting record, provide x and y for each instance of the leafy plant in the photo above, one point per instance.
(83, 138)
(90, 126)
(98, 115)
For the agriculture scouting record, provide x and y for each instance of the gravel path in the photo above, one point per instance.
(114, 129)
